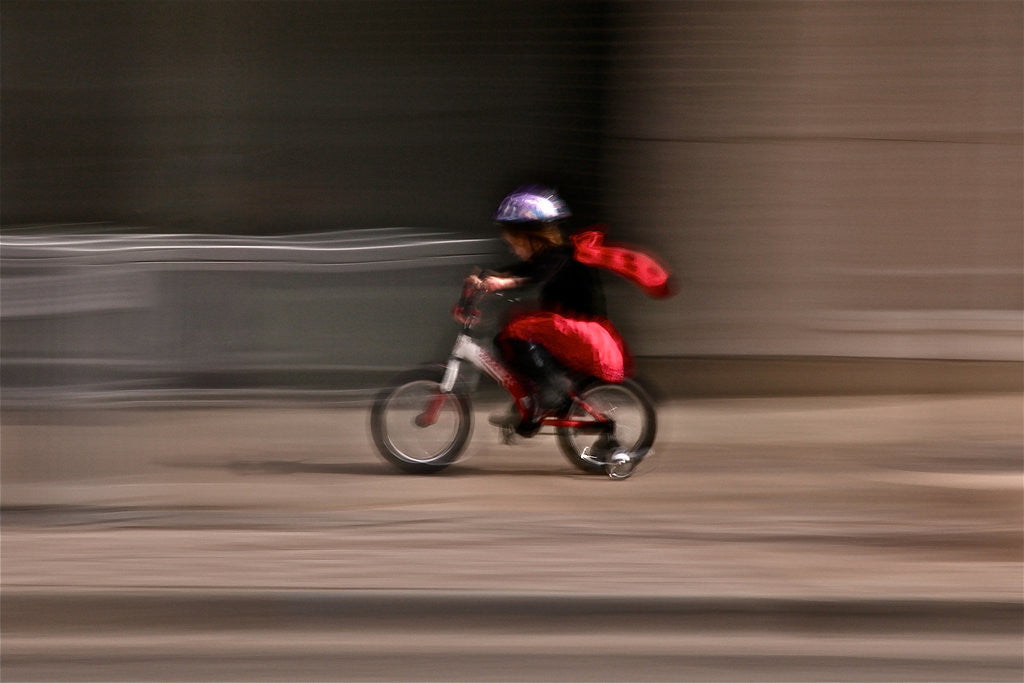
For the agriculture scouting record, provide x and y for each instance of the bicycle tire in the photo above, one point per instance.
(635, 436)
(432, 447)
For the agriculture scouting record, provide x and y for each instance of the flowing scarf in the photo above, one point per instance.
(642, 269)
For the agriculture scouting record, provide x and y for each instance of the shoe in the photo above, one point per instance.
(511, 421)
(507, 418)
(530, 424)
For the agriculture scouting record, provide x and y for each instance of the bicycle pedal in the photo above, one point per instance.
(508, 435)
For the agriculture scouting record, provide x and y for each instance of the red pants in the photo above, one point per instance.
(591, 346)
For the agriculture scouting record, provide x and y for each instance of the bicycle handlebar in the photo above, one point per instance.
(466, 311)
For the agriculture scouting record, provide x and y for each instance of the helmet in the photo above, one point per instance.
(532, 204)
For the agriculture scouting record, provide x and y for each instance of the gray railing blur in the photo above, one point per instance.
(88, 316)
(99, 316)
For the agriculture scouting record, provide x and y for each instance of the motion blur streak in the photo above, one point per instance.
(121, 316)
(88, 316)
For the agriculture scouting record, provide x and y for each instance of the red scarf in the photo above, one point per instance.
(639, 268)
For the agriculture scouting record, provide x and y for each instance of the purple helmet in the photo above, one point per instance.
(532, 204)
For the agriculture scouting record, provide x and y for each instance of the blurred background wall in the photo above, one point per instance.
(829, 177)
(276, 116)
(826, 178)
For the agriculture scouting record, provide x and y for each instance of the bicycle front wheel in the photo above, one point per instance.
(418, 428)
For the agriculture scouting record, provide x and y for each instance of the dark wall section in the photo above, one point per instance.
(290, 116)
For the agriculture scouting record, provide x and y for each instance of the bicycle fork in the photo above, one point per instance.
(465, 350)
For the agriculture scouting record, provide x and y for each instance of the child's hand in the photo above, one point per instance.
(495, 284)
(491, 283)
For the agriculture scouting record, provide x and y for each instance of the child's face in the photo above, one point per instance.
(519, 245)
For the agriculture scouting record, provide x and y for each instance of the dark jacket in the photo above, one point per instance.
(567, 286)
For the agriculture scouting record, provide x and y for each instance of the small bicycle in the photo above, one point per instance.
(422, 421)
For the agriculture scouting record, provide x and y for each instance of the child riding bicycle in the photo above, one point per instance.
(569, 331)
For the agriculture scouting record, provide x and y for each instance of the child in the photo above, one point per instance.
(570, 330)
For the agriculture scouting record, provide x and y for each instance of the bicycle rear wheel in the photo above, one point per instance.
(418, 428)
(627, 405)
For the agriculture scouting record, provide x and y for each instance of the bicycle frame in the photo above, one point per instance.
(591, 430)
(468, 350)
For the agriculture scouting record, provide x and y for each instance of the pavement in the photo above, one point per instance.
(856, 537)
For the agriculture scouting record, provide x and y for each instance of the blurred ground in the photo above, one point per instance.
(828, 538)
